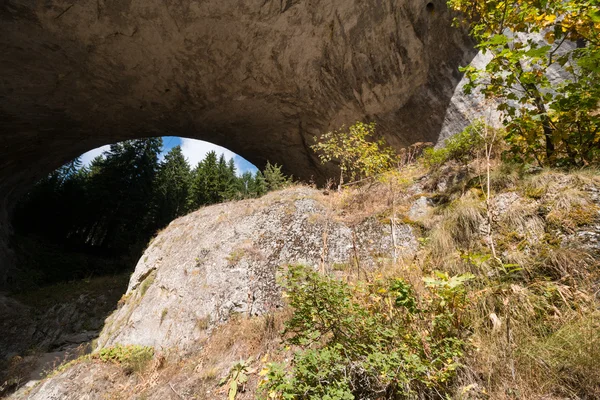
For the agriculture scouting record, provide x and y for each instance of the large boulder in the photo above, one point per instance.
(224, 259)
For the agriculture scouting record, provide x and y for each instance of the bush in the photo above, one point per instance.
(461, 147)
(369, 340)
(358, 153)
(132, 358)
(274, 178)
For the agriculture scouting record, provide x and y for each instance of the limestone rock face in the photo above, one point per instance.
(84, 381)
(223, 259)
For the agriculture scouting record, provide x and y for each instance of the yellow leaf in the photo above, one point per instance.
(550, 18)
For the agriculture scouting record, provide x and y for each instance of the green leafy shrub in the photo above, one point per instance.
(553, 123)
(358, 153)
(237, 378)
(369, 340)
(461, 147)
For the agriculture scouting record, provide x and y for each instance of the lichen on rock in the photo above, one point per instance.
(223, 260)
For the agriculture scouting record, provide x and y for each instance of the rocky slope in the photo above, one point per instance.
(223, 260)
(221, 263)
(198, 291)
(41, 328)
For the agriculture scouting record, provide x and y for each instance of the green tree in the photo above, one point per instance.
(206, 185)
(258, 186)
(228, 185)
(356, 151)
(120, 192)
(274, 178)
(172, 187)
(553, 122)
(197, 195)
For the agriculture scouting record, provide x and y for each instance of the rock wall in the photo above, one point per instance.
(258, 77)
(224, 259)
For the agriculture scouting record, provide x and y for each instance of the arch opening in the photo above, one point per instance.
(96, 214)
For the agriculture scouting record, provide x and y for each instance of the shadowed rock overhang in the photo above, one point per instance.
(260, 77)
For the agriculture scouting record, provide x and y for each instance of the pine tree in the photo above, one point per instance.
(172, 187)
(245, 185)
(258, 186)
(224, 178)
(197, 195)
(231, 166)
(121, 190)
(228, 181)
(206, 185)
(275, 179)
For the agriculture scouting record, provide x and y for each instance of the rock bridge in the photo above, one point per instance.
(260, 77)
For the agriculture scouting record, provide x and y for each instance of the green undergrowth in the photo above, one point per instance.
(461, 147)
(131, 358)
(368, 340)
(529, 322)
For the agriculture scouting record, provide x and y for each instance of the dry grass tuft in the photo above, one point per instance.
(571, 208)
(506, 176)
(376, 196)
(564, 263)
(242, 337)
(529, 342)
(521, 220)
(565, 362)
(460, 225)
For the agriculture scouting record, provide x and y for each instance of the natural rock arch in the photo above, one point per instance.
(260, 77)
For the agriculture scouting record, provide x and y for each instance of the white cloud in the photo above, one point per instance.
(86, 158)
(196, 150)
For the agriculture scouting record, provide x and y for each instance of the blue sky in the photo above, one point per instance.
(193, 150)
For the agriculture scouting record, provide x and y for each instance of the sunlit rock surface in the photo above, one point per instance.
(223, 259)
